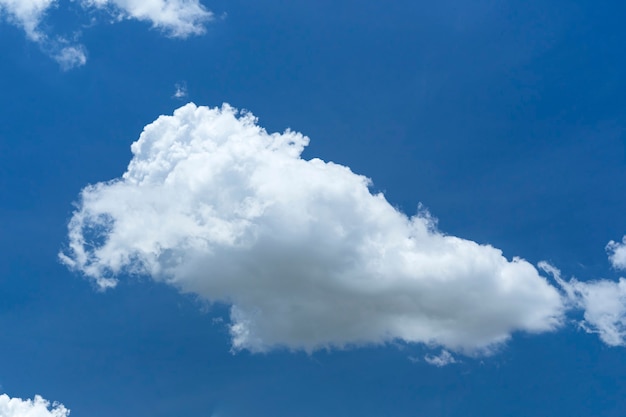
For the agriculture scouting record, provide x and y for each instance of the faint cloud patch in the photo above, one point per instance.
(181, 91)
(443, 359)
(69, 57)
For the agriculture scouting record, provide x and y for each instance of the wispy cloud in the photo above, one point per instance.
(306, 255)
(603, 303)
(70, 57)
(443, 359)
(27, 14)
(175, 18)
(37, 407)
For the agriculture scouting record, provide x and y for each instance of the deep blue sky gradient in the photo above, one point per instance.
(505, 119)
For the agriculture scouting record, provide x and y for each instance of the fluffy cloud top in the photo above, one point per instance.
(37, 407)
(179, 18)
(603, 302)
(305, 254)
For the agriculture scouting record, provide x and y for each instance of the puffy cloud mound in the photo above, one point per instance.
(603, 302)
(38, 407)
(179, 18)
(617, 253)
(303, 252)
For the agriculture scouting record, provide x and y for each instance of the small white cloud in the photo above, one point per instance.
(301, 249)
(443, 359)
(603, 303)
(178, 18)
(617, 253)
(70, 57)
(37, 407)
(181, 91)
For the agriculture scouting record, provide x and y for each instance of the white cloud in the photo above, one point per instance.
(617, 253)
(178, 18)
(70, 57)
(307, 257)
(37, 407)
(27, 14)
(181, 91)
(443, 359)
(603, 302)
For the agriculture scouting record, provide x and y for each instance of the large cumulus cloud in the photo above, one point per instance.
(301, 249)
(37, 407)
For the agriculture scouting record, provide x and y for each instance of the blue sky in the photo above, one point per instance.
(256, 281)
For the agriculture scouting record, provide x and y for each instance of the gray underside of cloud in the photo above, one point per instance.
(304, 253)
